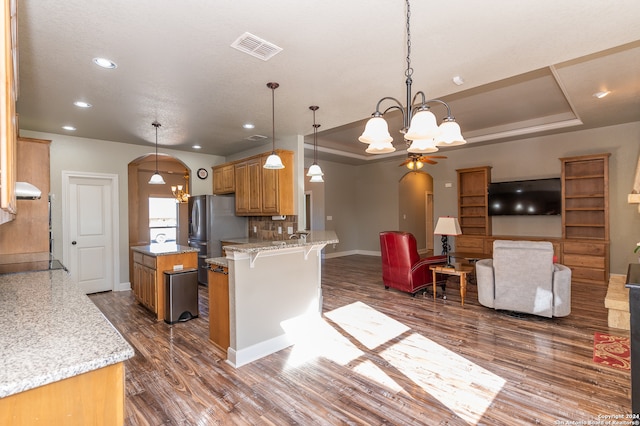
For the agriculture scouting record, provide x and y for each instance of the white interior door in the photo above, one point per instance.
(88, 243)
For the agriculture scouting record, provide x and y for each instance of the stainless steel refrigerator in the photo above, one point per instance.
(212, 219)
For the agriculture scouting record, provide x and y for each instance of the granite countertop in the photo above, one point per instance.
(51, 331)
(164, 249)
(218, 261)
(249, 245)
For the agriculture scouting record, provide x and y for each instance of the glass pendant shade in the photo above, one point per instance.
(450, 134)
(273, 162)
(422, 146)
(156, 179)
(376, 131)
(380, 148)
(315, 170)
(423, 126)
(316, 178)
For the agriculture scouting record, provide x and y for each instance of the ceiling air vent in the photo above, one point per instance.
(256, 138)
(255, 46)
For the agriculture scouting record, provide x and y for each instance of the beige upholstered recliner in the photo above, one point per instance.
(522, 277)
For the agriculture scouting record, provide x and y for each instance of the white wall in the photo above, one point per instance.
(71, 153)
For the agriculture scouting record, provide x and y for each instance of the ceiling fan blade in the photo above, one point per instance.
(407, 161)
(426, 160)
(435, 156)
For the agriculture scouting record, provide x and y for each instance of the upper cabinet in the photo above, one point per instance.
(473, 192)
(224, 179)
(264, 192)
(8, 120)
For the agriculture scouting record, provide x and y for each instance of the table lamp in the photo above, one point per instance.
(446, 226)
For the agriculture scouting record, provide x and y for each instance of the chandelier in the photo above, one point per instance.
(315, 172)
(181, 196)
(421, 131)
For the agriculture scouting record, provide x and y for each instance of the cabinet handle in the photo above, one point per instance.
(73, 243)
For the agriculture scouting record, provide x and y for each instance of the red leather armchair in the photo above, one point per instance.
(402, 267)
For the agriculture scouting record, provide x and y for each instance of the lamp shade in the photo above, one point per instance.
(156, 179)
(380, 148)
(447, 225)
(376, 131)
(423, 126)
(273, 162)
(450, 134)
(424, 146)
(315, 170)
(316, 178)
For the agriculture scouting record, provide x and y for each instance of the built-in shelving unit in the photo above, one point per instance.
(473, 213)
(585, 216)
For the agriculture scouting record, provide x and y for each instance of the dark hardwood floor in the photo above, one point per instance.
(378, 357)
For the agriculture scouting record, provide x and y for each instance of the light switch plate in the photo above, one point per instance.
(290, 230)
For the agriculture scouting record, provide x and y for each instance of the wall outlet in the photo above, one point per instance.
(448, 185)
(290, 230)
(279, 229)
(329, 217)
(178, 267)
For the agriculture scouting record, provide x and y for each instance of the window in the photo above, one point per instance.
(163, 219)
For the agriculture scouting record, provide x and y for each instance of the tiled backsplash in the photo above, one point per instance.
(267, 228)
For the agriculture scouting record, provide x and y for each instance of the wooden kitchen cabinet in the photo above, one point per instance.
(8, 118)
(148, 277)
(29, 231)
(263, 192)
(219, 307)
(224, 179)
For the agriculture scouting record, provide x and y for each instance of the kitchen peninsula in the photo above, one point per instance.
(273, 288)
(62, 361)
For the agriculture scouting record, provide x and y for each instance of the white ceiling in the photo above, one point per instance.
(530, 67)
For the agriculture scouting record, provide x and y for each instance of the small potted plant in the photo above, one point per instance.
(636, 250)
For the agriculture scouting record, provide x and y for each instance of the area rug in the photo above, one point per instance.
(613, 351)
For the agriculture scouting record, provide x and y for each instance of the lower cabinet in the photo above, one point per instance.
(219, 307)
(588, 260)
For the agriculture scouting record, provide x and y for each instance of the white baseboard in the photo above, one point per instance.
(351, 253)
(123, 287)
(244, 356)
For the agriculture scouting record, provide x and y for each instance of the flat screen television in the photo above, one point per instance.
(526, 197)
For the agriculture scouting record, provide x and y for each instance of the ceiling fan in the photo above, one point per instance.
(417, 161)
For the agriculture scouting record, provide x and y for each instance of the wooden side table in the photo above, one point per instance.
(458, 270)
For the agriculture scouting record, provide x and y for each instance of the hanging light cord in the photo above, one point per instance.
(273, 87)
(156, 125)
(315, 136)
(409, 71)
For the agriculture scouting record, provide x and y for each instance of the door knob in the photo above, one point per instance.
(73, 243)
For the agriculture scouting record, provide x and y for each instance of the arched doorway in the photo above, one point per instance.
(174, 172)
(416, 208)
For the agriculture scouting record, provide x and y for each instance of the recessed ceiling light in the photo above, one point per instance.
(71, 128)
(82, 104)
(196, 147)
(248, 126)
(105, 63)
(602, 94)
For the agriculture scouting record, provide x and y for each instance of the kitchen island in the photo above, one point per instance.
(274, 287)
(61, 360)
(149, 264)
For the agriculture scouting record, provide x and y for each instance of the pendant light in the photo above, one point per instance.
(315, 172)
(156, 179)
(273, 161)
